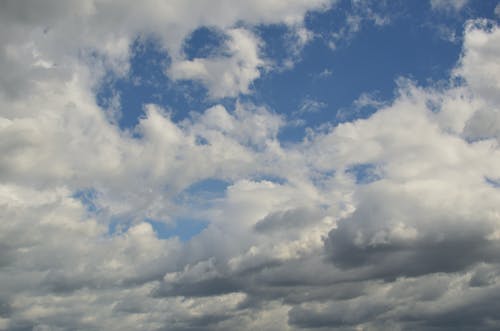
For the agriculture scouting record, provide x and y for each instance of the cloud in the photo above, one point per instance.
(477, 64)
(226, 76)
(294, 242)
(309, 105)
(106, 29)
(368, 100)
(285, 219)
(359, 14)
(396, 244)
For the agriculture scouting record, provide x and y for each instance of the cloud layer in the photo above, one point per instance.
(386, 223)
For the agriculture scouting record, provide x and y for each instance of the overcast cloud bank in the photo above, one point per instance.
(299, 239)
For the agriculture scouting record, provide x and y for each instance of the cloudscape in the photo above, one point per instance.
(184, 165)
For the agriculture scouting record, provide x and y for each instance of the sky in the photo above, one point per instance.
(184, 165)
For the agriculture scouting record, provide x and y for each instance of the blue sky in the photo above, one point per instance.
(414, 42)
(220, 165)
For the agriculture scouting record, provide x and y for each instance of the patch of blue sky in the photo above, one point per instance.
(186, 222)
(210, 185)
(481, 8)
(276, 38)
(118, 226)
(147, 83)
(270, 178)
(202, 194)
(183, 228)
(493, 182)
(320, 179)
(205, 42)
(193, 201)
(364, 173)
(405, 47)
(88, 198)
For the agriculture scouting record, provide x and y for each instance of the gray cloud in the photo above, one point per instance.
(283, 220)
(417, 249)
(410, 238)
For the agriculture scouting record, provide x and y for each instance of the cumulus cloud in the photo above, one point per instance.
(39, 39)
(294, 242)
(229, 75)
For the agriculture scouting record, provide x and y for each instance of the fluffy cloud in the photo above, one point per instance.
(40, 44)
(296, 241)
(226, 76)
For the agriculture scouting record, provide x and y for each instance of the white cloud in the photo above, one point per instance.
(35, 34)
(478, 65)
(229, 75)
(428, 227)
(309, 105)
(368, 100)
